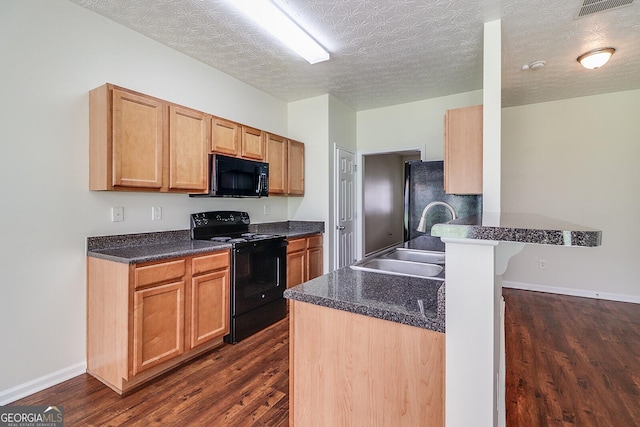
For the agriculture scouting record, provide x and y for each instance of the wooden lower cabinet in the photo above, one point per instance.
(144, 319)
(208, 307)
(158, 325)
(304, 259)
(387, 373)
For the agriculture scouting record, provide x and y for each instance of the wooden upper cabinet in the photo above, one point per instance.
(252, 143)
(188, 148)
(277, 157)
(463, 151)
(296, 168)
(225, 136)
(237, 140)
(141, 143)
(137, 141)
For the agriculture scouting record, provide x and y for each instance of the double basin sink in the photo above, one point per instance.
(405, 262)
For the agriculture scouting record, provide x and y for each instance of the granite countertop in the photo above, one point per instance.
(155, 246)
(393, 298)
(289, 229)
(158, 251)
(145, 247)
(522, 228)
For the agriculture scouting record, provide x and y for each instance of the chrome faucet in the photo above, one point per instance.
(422, 225)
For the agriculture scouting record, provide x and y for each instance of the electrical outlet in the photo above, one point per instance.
(267, 210)
(542, 263)
(156, 213)
(117, 214)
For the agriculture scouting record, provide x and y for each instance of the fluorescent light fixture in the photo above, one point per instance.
(596, 58)
(280, 25)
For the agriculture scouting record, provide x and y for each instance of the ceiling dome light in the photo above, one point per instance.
(595, 58)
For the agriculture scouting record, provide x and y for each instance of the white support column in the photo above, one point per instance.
(492, 113)
(474, 386)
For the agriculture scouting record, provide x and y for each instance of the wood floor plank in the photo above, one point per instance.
(196, 394)
(571, 362)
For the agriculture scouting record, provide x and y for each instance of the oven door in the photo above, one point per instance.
(259, 274)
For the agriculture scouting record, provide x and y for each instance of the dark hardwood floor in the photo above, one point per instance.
(242, 385)
(570, 362)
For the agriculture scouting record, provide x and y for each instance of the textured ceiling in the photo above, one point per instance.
(386, 52)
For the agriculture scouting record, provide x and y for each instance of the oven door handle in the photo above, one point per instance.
(278, 271)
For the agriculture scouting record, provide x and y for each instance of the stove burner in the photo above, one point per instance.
(237, 240)
(253, 236)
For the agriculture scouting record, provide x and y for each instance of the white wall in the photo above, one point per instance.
(309, 122)
(577, 160)
(409, 126)
(342, 134)
(53, 52)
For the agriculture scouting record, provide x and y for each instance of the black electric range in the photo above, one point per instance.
(258, 270)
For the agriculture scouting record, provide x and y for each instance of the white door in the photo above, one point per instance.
(345, 209)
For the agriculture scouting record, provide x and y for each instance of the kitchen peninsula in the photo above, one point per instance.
(347, 344)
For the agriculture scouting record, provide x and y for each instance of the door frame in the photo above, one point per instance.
(360, 174)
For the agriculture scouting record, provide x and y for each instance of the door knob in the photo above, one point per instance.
(339, 227)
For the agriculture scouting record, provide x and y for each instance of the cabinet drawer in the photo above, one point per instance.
(216, 261)
(314, 241)
(297, 245)
(162, 272)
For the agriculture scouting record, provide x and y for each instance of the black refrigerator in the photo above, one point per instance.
(423, 184)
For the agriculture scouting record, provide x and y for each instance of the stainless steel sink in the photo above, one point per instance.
(399, 267)
(416, 256)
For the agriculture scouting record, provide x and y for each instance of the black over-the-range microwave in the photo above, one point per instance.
(235, 177)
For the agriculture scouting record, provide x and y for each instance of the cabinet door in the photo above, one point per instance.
(296, 168)
(188, 147)
(296, 268)
(463, 151)
(278, 164)
(209, 307)
(252, 143)
(158, 325)
(314, 263)
(137, 140)
(225, 136)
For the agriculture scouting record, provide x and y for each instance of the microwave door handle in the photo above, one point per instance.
(259, 184)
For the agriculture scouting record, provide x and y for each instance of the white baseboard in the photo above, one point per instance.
(571, 292)
(38, 384)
